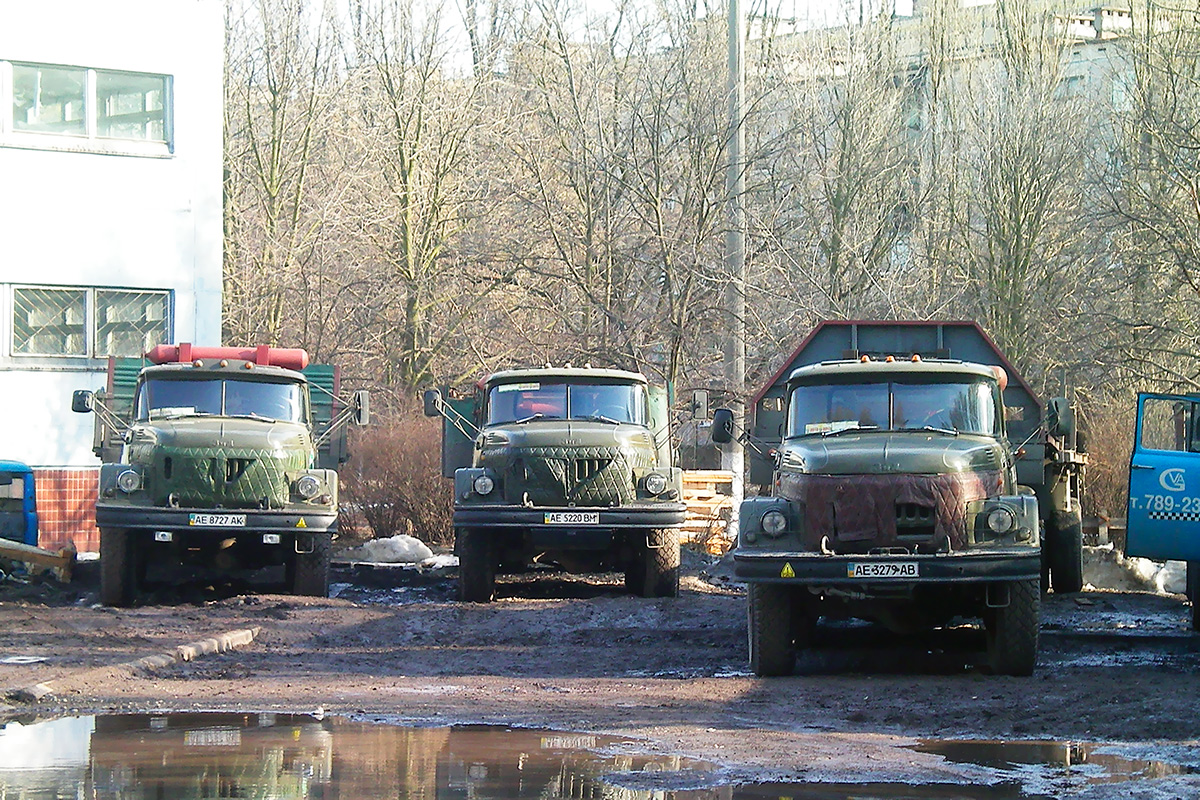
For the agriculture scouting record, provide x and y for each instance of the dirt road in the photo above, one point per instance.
(581, 655)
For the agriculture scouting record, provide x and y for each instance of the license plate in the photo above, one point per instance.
(218, 520)
(882, 569)
(572, 518)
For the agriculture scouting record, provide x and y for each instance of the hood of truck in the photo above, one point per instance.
(567, 435)
(567, 462)
(208, 462)
(892, 452)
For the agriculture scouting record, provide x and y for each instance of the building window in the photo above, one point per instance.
(77, 108)
(130, 105)
(49, 322)
(129, 323)
(49, 99)
(79, 322)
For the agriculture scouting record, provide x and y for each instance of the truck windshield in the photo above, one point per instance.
(603, 402)
(959, 407)
(162, 399)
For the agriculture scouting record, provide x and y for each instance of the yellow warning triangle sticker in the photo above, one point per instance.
(787, 571)
(303, 524)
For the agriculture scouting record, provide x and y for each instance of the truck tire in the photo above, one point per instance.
(1066, 553)
(118, 567)
(1193, 591)
(635, 569)
(476, 565)
(310, 571)
(1012, 631)
(769, 624)
(661, 563)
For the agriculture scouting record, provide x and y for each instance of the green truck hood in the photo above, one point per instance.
(886, 452)
(207, 462)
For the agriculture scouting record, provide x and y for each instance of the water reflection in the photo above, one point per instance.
(218, 755)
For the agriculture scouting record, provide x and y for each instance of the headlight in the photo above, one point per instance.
(774, 523)
(484, 484)
(656, 483)
(1001, 520)
(307, 487)
(129, 481)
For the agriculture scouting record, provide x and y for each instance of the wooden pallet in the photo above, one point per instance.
(708, 494)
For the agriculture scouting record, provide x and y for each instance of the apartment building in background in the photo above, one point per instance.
(110, 159)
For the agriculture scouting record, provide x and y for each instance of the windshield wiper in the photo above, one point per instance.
(856, 429)
(602, 418)
(932, 429)
(252, 415)
(523, 420)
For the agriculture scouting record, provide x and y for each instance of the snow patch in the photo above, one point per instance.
(1105, 568)
(398, 549)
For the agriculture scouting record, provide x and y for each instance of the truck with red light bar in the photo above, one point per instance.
(217, 459)
(908, 487)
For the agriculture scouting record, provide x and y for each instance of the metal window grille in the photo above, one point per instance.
(50, 321)
(129, 323)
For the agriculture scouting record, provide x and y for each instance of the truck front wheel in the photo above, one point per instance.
(310, 570)
(118, 567)
(1012, 630)
(1065, 534)
(662, 563)
(769, 610)
(476, 565)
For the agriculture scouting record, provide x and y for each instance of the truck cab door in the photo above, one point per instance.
(660, 422)
(1163, 515)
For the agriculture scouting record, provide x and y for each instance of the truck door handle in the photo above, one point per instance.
(1141, 466)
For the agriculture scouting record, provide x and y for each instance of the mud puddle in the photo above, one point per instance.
(305, 756)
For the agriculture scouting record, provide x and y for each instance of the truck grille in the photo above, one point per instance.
(204, 478)
(561, 476)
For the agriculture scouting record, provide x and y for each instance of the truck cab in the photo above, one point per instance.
(567, 466)
(214, 466)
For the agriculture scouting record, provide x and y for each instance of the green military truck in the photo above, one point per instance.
(568, 467)
(901, 492)
(217, 458)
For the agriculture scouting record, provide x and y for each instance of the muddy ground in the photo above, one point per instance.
(578, 654)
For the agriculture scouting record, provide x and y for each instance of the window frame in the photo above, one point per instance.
(91, 321)
(90, 141)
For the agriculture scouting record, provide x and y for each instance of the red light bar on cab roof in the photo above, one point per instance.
(287, 357)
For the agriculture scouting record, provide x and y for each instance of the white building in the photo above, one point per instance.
(111, 159)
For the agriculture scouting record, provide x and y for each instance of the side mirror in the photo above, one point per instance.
(722, 426)
(433, 402)
(362, 407)
(700, 404)
(82, 401)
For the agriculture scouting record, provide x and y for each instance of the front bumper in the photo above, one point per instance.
(205, 520)
(658, 515)
(816, 569)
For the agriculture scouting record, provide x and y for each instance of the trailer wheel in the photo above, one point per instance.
(661, 563)
(118, 567)
(476, 565)
(1066, 553)
(1193, 591)
(309, 572)
(1012, 631)
(769, 624)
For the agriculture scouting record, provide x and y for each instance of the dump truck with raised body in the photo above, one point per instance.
(568, 467)
(901, 492)
(220, 459)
